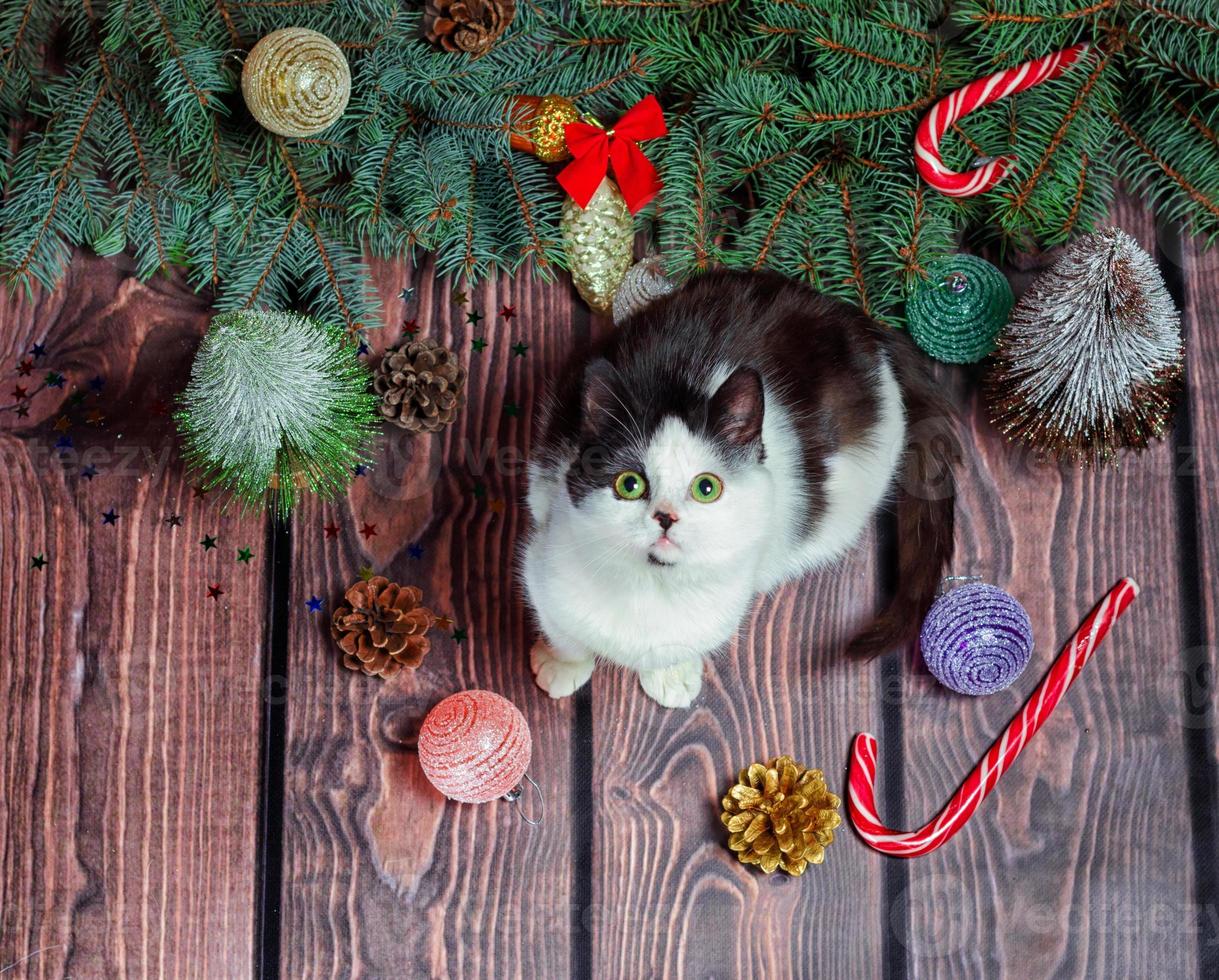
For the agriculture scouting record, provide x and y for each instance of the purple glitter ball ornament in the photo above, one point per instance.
(976, 639)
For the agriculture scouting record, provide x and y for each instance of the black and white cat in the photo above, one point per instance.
(727, 439)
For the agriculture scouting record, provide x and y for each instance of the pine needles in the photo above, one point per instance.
(791, 125)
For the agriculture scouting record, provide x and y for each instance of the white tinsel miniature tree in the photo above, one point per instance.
(1091, 360)
(276, 404)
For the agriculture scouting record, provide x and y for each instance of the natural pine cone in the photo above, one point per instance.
(421, 385)
(381, 626)
(471, 26)
(780, 816)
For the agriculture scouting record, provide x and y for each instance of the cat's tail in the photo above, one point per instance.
(926, 485)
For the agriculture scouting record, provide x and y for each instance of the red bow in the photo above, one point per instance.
(595, 149)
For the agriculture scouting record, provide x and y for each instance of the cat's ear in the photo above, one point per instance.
(737, 408)
(598, 399)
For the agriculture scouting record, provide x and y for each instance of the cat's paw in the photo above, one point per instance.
(558, 678)
(676, 686)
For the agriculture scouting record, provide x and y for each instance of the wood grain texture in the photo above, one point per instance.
(128, 782)
(1080, 863)
(383, 876)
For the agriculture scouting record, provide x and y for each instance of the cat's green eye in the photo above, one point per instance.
(630, 485)
(706, 488)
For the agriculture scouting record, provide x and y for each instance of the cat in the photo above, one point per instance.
(728, 438)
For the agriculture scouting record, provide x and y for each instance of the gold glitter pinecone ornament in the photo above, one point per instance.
(780, 816)
(539, 125)
(599, 242)
(421, 385)
(472, 26)
(296, 82)
(381, 627)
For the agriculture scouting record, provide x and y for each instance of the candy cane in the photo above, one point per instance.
(861, 793)
(963, 101)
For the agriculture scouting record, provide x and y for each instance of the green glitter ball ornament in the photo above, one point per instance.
(277, 404)
(956, 313)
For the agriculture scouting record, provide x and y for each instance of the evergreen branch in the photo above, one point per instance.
(781, 213)
(170, 41)
(637, 67)
(18, 39)
(65, 176)
(1020, 198)
(536, 246)
(234, 34)
(1076, 201)
(279, 247)
(1193, 23)
(993, 16)
(840, 48)
(853, 245)
(1169, 171)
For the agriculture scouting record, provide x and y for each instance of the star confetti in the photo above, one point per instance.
(480, 490)
(478, 345)
(19, 393)
(406, 293)
(214, 591)
(110, 516)
(39, 350)
(507, 312)
(359, 469)
(38, 562)
(89, 472)
(512, 409)
(443, 623)
(363, 349)
(473, 317)
(62, 424)
(410, 329)
(366, 572)
(98, 383)
(369, 531)
(23, 411)
(199, 491)
(26, 367)
(460, 298)
(208, 542)
(95, 417)
(496, 506)
(332, 530)
(63, 442)
(415, 550)
(518, 350)
(244, 555)
(459, 635)
(54, 379)
(76, 398)
(174, 520)
(314, 604)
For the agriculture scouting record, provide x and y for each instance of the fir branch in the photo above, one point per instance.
(1168, 170)
(782, 211)
(857, 279)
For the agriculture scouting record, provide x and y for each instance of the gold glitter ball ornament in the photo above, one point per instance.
(599, 243)
(296, 82)
(539, 125)
(780, 815)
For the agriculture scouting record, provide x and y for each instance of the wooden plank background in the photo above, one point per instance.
(195, 787)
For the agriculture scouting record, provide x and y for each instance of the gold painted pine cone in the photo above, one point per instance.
(381, 627)
(780, 815)
(421, 386)
(472, 26)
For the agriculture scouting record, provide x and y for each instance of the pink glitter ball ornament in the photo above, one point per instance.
(475, 746)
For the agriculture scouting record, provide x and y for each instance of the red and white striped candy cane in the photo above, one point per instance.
(962, 102)
(861, 792)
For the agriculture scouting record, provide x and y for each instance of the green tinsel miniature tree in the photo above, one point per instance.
(276, 404)
(791, 126)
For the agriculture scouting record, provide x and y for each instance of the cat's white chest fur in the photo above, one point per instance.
(596, 595)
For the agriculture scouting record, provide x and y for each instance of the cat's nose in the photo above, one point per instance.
(665, 519)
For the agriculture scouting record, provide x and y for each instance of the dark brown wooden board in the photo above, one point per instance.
(130, 781)
(1080, 862)
(381, 875)
(129, 777)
